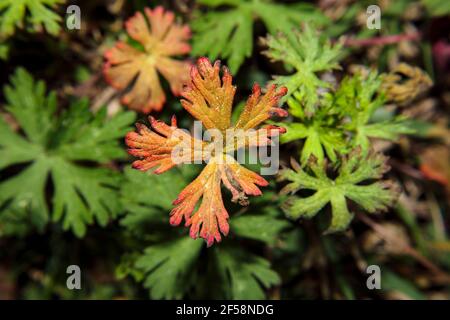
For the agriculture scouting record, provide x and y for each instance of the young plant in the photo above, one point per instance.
(345, 119)
(336, 125)
(159, 38)
(308, 54)
(334, 118)
(354, 181)
(209, 99)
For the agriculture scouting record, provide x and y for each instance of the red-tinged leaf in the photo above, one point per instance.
(241, 181)
(209, 98)
(164, 147)
(260, 108)
(161, 39)
(211, 216)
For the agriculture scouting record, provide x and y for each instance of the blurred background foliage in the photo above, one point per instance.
(68, 194)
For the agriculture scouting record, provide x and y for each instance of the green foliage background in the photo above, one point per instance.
(69, 196)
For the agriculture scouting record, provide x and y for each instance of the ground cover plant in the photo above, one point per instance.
(224, 149)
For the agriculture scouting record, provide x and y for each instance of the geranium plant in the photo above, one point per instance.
(209, 98)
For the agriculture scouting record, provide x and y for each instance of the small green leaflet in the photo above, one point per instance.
(322, 132)
(168, 267)
(13, 14)
(243, 275)
(229, 33)
(437, 7)
(259, 227)
(307, 53)
(345, 118)
(48, 151)
(234, 40)
(358, 98)
(351, 183)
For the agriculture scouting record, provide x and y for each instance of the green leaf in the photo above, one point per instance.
(236, 27)
(437, 7)
(4, 51)
(172, 263)
(169, 267)
(30, 106)
(351, 183)
(261, 227)
(307, 53)
(148, 197)
(389, 130)
(97, 141)
(82, 194)
(321, 133)
(23, 194)
(344, 119)
(293, 16)
(359, 98)
(15, 223)
(46, 153)
(228, 34)
(13, 14)
(244, 275)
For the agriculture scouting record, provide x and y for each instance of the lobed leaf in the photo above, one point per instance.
(307, 53)
(46, 153)
(162, 39)
(168, 267)
(244, 275)
(38, 13)
(209, 98)
(353, 182)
